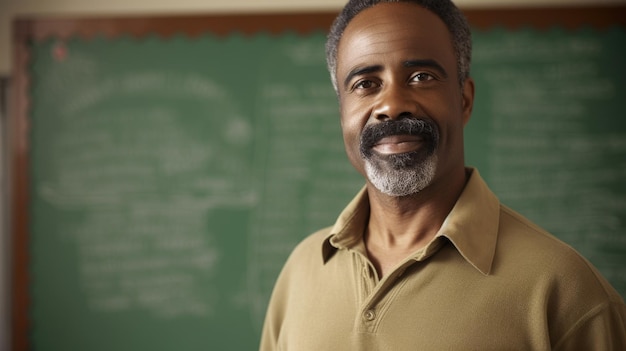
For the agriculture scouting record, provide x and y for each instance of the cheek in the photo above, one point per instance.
(353, 120)
(447, 111)
(451, 128)
(351, 134)
(351, 126)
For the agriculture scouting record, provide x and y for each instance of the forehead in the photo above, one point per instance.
(393, 30)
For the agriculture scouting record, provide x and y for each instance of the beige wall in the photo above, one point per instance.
(9, 9)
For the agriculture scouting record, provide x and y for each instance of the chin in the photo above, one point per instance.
(401, 175)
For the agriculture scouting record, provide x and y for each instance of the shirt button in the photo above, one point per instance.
(369, 315)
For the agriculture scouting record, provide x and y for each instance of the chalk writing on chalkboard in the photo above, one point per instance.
(172, 177)
(549, 103)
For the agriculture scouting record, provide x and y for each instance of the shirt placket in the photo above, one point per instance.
(376, 296)
(368, 316)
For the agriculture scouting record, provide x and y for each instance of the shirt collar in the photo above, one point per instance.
(471, 226)
(350, 225)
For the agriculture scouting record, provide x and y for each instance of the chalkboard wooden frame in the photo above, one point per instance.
(28, 30)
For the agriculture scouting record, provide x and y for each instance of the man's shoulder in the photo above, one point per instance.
(526, 237)
(532, 252)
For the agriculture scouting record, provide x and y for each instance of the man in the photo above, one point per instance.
(425, 257)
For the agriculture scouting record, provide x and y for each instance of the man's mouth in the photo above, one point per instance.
(399, 137)
(398, 144)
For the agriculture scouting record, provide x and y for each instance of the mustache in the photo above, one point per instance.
(424, 128)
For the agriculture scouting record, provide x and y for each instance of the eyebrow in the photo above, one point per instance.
(360, 71)
(426, 63)
(409, 63)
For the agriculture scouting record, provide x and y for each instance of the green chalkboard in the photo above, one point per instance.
(548, 133)
(170, 177)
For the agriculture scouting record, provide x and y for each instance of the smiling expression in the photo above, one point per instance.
(397, 80)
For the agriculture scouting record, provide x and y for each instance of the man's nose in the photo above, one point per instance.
(395, 102)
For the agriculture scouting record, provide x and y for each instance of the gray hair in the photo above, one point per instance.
(444, 9)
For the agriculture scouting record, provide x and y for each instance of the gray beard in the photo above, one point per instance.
(406, 173)
(400, 180)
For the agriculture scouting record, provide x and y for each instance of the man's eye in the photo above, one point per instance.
(422, 77)
(364, 84)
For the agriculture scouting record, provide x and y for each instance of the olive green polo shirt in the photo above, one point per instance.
(490, 280)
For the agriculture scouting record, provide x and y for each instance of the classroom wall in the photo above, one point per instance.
(10, 9)
(4, 228)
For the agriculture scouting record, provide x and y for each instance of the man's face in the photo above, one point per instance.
(402, 110)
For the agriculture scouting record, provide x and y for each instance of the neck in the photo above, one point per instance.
(399, 226)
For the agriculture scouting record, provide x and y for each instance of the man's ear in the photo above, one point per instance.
(468, 99)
